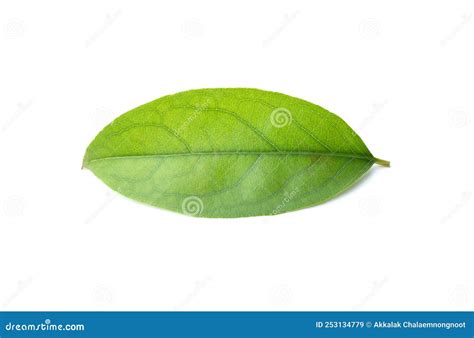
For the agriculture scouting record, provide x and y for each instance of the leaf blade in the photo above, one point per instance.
(230, 151)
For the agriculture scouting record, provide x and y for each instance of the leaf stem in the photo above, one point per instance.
(383, 163)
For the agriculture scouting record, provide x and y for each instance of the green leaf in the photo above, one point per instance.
(229, 152)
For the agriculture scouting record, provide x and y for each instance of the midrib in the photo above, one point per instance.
(240, 153)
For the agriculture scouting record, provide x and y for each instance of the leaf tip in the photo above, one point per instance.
(84, 163)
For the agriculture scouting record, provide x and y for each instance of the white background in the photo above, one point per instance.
(400, 73)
